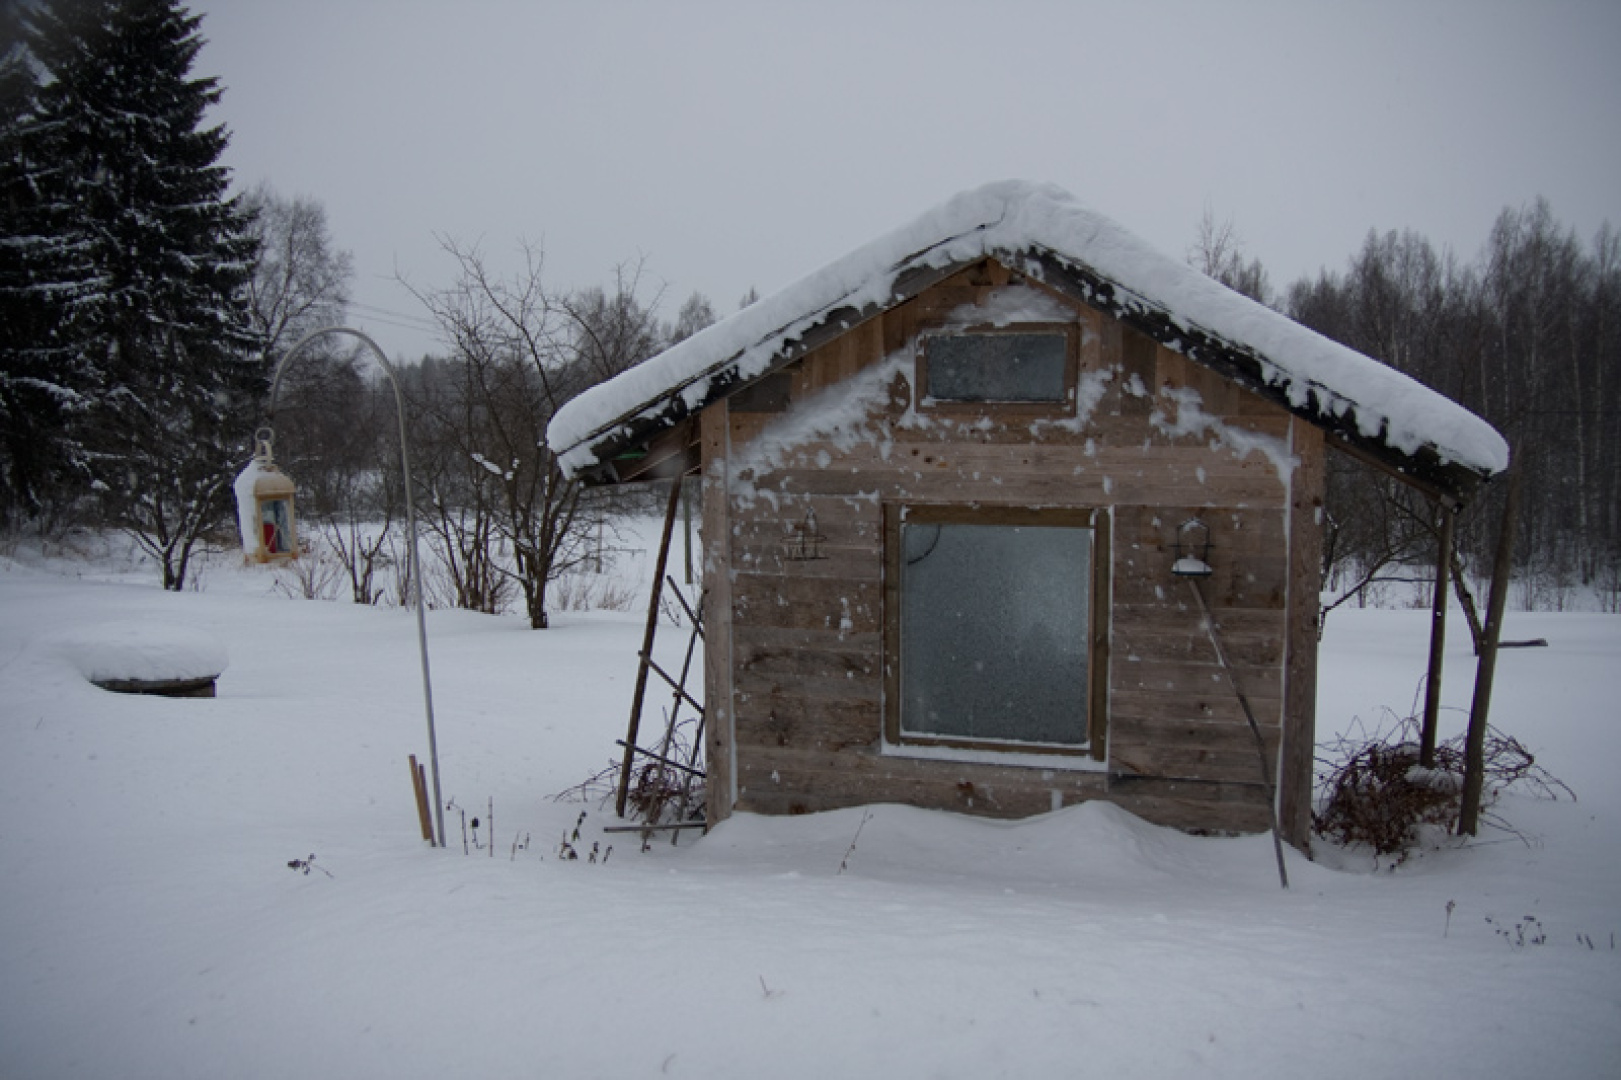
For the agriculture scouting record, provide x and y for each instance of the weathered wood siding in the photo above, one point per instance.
(797, 670)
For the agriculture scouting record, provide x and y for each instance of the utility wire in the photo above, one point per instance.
(382, 314)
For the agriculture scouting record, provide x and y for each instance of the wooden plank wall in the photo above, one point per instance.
(805, 680)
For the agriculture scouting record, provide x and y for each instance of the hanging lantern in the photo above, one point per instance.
(264, 506)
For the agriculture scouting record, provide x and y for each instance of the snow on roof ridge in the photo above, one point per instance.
(1012, 217)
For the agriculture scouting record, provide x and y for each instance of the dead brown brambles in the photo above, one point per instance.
(1373, 789)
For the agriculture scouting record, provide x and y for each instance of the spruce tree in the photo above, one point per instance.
(32, 397)
(141, 261)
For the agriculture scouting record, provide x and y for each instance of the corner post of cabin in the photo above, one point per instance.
(1438, 636)
(1306, 488)
(715, 534)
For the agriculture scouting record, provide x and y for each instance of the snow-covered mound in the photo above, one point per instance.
(889, 842)
(142, 652)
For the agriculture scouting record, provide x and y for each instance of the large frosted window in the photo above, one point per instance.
(998, 367)
(994, 628)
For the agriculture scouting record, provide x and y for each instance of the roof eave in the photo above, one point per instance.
(638, 428)
(1426, 468)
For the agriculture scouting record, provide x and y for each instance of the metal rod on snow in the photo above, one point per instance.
(1255, 729)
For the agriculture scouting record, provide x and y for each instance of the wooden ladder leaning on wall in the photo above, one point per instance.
(659, 792)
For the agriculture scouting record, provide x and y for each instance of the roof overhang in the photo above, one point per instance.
(640, 440)
(620, 445)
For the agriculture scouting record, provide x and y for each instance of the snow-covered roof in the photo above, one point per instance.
(1045, 233)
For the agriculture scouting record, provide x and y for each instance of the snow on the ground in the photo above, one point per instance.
(150, 925)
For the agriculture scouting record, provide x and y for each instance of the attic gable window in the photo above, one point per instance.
(1025, 367)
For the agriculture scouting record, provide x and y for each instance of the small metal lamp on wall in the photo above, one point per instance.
(264, 506)
(1192, 550)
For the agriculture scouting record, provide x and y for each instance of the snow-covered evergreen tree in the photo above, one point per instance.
(141, 261)
(33, 394)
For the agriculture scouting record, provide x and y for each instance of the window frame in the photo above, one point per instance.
(1043, 409)
(999, 751)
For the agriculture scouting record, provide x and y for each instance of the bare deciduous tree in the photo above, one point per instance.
(507, 516)
(1529, 337)
(696, 314)
(300, 279)
(1218, 252)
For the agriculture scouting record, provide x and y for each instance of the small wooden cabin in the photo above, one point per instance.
(945, 481)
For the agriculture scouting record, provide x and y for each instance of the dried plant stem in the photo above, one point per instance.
(845, 864)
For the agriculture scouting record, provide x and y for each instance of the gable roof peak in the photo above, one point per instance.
(1043, 231)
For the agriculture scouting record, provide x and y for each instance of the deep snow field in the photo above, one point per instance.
(150, 925)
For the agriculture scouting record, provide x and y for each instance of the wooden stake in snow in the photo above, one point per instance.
(419, 787)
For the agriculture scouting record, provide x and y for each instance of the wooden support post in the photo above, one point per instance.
(1474, 765)
(716, 532)
(1296, 756)
(634, 727)
(1438, 640)
(419, 787)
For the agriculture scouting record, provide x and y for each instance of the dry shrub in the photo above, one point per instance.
(314, 575)
(585, 592)
(618, 596)
(570, 592)
(658, 793)
(1373, 790)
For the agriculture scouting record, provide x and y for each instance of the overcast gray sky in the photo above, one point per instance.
(738, 144)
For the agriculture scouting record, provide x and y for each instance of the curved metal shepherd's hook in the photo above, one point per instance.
(411, 529)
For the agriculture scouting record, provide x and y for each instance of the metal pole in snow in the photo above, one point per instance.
(411, 529)
(1249, 714)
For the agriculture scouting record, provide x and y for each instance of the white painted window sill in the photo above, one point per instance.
(988, 756)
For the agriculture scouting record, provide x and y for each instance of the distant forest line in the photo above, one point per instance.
(1526, 335)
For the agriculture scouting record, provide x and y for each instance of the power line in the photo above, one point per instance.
(395, 318)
